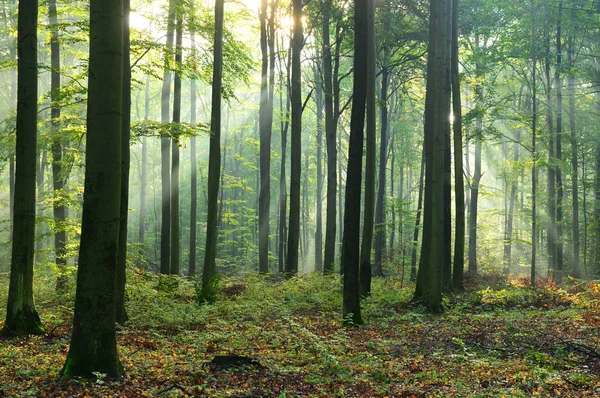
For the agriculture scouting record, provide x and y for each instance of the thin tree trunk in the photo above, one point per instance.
(214, 162)
(475, 187)
(351, 236)
(574, 162)
(144, 173)
(175, 220)
(193, 179)
(165, 146)
(370, 167)
(459, 183)
(534, 175)
(559, 182)
(319, 197)
(296, 141)
(121, 313)
(551, 229)
(383, 151)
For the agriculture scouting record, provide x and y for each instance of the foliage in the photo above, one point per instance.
(494, 341)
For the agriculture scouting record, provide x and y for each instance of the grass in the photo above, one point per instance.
(497, 339)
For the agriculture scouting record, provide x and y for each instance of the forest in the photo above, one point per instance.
(313, 198)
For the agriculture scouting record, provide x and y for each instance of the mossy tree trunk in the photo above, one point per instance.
(21, 315)
(93, 341)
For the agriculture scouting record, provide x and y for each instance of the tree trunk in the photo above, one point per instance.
(58, 173)
(214, 163)
(475, 187)
(193, 179)
(551, 230)
(144, 174)
(121, 314)
(383, 151)
(459, 183)
(282, 255)
(415, 242)
(175, 220)
(574, 162)
(21, 315)
(371, 133)
(319, 197)
(558, 274)
(534, 174)
(296, 141)
(93, 346)
(351, 235)
(437, 125)
(265, 121)
(330, 139)
(165, 144)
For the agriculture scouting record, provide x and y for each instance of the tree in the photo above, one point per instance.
(194, 171)
(165, 231)
(175, 222)
(121, 315)
(437, 125)
(351, 235)
(296, 141)
(58, 173)
(534, 172)
(93, 345)
(367, 237)
(21, 315)
(265, 125)
(214, 162)
(459, 185)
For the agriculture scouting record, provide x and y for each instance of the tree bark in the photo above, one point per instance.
(459, 183)
(319, 197)
(574, 161)
(214, 162)
(121, 314)
(165, 144)
(415, 242)
(558, 274)
(296, 141)
(175, 220)
(93, 345)
(21, 315)
(371, 133)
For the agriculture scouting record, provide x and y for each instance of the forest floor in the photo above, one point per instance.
(498, 339)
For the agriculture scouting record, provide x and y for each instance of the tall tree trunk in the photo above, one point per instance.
(175, 220)
(214, 162)
(559, 182)
(514, 182)
(351, 236)
(93, 346)
(21, 315)
(437, 125)
(282, 255)
(193, 177)
(41, 172)
(383, 151)
(459, 183)
(319, 197)
(534, 173)
(330, 139)
(371, 105)
(144, 173)
(596, 264)
(296, 141)
(58, 173)
(165, 146)
(574, 162)
(265, 121)
(121, 314)
(551, 230)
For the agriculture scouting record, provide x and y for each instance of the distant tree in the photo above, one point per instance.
(265, 125)
(93, 345)
(214, 162)
(165, 146)
(194, 168)
(21, 315)
(58, 172)
(296, 141)
(175, 221)
(351, 233)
